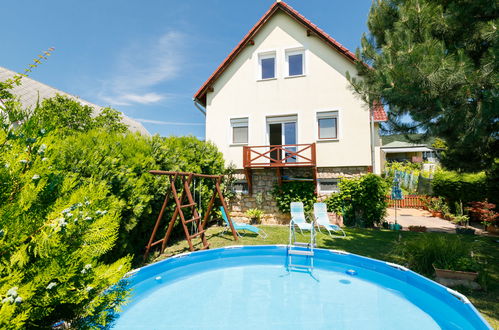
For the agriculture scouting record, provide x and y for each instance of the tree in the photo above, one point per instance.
(434, 62)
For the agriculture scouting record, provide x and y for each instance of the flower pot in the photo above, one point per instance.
(491, 229)
(455, 274)
(465, 231)
(437, 214)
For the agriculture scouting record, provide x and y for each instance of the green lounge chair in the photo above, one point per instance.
(322, 220)
(242, 226)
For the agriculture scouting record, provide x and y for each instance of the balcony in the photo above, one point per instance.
(279, 157)
(286, 155)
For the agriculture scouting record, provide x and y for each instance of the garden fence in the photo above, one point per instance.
(409, 201)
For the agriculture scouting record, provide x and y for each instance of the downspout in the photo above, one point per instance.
(199, 106)
(373, 157)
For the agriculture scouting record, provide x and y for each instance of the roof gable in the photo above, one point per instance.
(200, 95)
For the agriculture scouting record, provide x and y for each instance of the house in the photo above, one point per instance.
(400, 148)
(30, 92)
(280, 108)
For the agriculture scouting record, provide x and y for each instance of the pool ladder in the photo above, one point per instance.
(301, 249)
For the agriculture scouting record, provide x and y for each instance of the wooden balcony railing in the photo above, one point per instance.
(286, 155)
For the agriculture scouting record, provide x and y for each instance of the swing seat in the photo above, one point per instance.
(242, 226)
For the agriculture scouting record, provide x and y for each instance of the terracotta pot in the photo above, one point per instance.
(492, 229)
(438, 214)
(455, 274)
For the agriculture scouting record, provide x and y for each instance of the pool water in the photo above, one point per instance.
(250, 288)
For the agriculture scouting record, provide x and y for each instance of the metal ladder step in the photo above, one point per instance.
(299, 266)
(301, 253)
(304, 244)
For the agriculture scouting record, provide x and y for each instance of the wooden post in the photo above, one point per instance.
(156, 226)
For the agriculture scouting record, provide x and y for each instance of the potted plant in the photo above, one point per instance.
(437, 206)
(484, 212)
(463, 221)
(255, 215)
(463, 268)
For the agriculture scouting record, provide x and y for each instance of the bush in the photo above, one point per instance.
(296, 191)
(459, 187)
(361, 201)
(443, 251)
(76, 205)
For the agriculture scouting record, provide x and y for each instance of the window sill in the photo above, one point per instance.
(267, 79)
(237, 144)
(328, 140)
(297, 76)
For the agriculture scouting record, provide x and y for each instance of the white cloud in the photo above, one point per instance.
(143, 65)
(160, 122)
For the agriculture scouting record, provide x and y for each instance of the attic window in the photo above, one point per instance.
(267, 66)
(295, 62)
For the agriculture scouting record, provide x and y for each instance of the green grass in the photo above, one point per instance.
(378, 244)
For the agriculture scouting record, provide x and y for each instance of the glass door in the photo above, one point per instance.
(282, 131)
(289, 137)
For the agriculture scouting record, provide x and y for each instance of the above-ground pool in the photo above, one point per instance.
(251, 288)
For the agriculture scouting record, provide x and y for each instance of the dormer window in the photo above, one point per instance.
(267, 64)
(295, 62)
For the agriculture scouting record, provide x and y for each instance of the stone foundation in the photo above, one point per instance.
(264, 181)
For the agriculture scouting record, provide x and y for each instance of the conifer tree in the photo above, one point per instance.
(435, 63)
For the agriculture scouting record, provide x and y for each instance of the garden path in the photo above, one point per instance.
(415, 217)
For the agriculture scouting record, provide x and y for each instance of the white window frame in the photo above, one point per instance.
(242, 121)
(325, 114)
(294, 51)
(329, 191)
(265, 55)
(243, 191)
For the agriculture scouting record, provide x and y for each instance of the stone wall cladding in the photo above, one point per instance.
(264, 181)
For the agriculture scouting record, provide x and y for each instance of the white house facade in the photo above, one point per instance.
(281, 102)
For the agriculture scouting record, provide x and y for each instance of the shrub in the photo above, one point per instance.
(443, 251)
(76, 205)
(255, 214)
(361, 201)
(459, 187)
(483, 212)
(296, 191)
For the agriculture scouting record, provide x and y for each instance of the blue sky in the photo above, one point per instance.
(148, 58)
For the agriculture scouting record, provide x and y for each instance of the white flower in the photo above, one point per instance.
(79, 205)
(62, 222)
(44, 159)
(69, 215)
(88, 266)
(7, 165)
(24, 161)
(51, 285)
(18, 300)
(66, 211)
(43, 131)
(89, 287)
(8, 299)
(88, 218)
(12, 291)
(35, 177)
(87, 202)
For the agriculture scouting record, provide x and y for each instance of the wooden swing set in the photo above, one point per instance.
(186, 196)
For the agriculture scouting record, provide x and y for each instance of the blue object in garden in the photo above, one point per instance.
(396, 195)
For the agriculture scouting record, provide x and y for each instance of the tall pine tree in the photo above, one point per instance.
(434, 63)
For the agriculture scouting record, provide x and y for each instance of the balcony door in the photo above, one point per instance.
(282, 131)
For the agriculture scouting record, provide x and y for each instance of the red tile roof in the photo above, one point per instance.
(201, 93)
(379, 111)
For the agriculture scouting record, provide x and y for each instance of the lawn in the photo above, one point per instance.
(378, 244)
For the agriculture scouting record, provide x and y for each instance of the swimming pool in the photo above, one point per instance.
(250, 288)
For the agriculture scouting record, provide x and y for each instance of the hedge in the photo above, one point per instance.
(460, 187)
